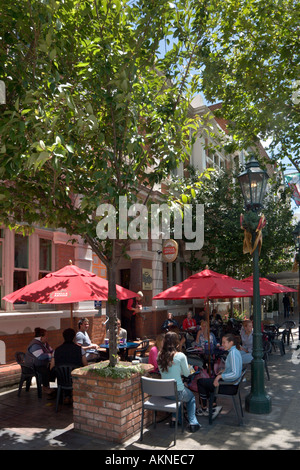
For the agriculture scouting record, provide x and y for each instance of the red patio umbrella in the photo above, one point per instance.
(68, 285)
(207, 284)
(267, 285)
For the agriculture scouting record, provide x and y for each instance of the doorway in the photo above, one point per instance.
(125, 282)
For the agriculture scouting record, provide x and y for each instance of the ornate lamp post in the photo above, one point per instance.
(296, 235)
(253, 182)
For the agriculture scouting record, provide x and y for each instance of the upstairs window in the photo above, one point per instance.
(45, 256)
(21, 262)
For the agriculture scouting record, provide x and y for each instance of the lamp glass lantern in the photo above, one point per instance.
(253, 182)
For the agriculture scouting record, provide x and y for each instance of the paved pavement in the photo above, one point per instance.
(27, 423)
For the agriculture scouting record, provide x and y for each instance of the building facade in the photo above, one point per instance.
(25, 259)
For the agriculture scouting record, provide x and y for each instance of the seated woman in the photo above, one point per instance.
(189, 323)
(154, 352)
(232, 372)
(39, 355)
(172, 365)
(247, 341)
(202, 336)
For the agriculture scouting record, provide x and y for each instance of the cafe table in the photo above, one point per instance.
(123, 348)
(198, 356)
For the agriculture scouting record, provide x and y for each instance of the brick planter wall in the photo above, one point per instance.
(107, 408)
(10, 374)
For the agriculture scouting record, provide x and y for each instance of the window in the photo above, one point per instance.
(21, 262)
(27, 259)
(45, 255)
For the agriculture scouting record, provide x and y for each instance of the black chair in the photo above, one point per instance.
(286, 332)
(26, 375)
(229, 389)
(64, 381)
(267, 349)
(272, 333)
(142, 348)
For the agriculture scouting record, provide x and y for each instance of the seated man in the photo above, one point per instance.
(201, 315)
(69, 352)
(169, 323)
(122, 333)
(83, 340)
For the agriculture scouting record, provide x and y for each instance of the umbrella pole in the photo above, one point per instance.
(208, 334)
(71, 316)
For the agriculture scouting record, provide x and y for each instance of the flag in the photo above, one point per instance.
(293, 181)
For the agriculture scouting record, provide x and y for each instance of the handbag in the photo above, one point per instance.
(193, 378)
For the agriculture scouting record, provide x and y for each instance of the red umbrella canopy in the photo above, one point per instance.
(207, 285)
(68, 285)
(270, 286)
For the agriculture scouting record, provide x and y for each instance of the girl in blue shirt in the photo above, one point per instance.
(231, 374)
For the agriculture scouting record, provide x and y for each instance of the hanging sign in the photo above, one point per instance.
(170, 251)
(147, 279)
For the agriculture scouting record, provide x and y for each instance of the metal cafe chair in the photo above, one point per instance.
(158, 389)
(26, 374)
(64, 381)
(229, 389)
(142, 348)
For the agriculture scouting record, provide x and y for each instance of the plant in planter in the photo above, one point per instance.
(119, 371)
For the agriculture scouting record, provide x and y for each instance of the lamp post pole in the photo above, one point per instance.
(296, 235)
(257, 401)
(253, 183)
(298, 299)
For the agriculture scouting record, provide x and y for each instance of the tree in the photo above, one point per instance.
(250, 63)
(94, 111)
(223, 237)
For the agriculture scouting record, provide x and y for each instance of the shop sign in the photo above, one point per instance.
(170, 251)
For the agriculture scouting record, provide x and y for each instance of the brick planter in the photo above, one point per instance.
(107, 408)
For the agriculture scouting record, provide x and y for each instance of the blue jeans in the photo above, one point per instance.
(246, 357)
(187, 397)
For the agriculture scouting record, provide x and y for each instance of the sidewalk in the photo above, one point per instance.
(27, 423)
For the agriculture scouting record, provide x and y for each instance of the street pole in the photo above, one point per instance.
(257, 401)
(296, 235)
(299, 296)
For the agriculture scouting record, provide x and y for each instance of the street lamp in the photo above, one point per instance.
(253, 182)
(296, 235)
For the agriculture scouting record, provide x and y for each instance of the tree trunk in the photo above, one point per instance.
(112, 314)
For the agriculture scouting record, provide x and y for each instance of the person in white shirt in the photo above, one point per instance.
(247, 341)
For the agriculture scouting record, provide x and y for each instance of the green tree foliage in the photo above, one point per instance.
(223, 237)
(250, 62)
(94, 110)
